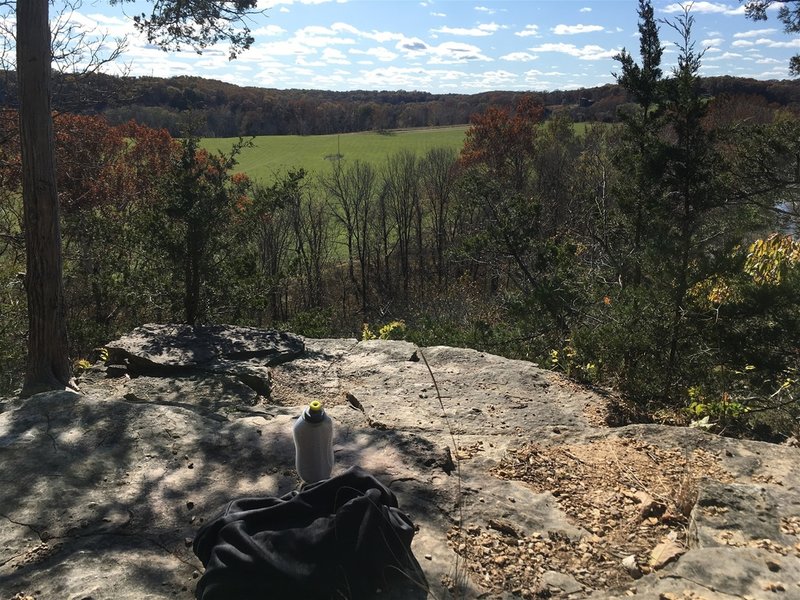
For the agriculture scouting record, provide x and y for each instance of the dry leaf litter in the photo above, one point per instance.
(631, 497)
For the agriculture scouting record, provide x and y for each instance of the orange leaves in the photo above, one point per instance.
(502, 141)
(240, 179)
(99, 164)
(241, 185)
(149, 149)
(86, 148)
(243, 202)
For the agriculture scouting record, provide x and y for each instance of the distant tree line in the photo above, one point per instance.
(215, 109)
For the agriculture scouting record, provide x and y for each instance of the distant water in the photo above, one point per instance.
(788, 224)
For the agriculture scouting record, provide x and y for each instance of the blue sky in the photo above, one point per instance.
(452, 46)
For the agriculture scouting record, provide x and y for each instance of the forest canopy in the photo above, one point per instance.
(221, 109)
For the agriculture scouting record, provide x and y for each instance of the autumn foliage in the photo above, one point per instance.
(99, 165)
(504, 141)
(516, 246)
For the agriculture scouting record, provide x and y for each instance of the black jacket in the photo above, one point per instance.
(343, 537)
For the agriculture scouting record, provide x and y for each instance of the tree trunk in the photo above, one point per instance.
(191, 301)
(48, 366)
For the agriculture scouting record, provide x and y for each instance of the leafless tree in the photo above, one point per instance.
(439, 177)
(402, 188)
(351, 192)
(311, 223)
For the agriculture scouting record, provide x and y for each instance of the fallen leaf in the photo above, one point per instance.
(664, 553)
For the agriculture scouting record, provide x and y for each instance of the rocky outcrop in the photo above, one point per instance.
(242, 352)
(518, 487)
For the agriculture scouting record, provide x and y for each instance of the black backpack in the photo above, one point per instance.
(342, 537)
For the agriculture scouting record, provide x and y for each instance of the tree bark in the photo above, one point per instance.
(48, 366)
(191, 299)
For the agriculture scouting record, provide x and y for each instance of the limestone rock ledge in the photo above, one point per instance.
(102, 492)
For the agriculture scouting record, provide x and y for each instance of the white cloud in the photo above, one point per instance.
(742, 43)
(485, 9)
(97, 25)
(397, 78)
(704, 7)
(334, 56)
(267, 4)
(769, 61)
(575, 29)
(490, 80)
(536, 72)
(334, 29)
(711, 42)
(411, 46)
(282, 48)
(585, 9)
(213, 61)
(438, 14)
(793, 43)
(724, 56)
(318, 36)
(152, 62)
(269, 76)
(453, 53)
(323, 37)
(754, 32)
(382, 36)
(307, 65)
(330, 80)
(590, 52)
(481, 30)
(269, 30)
(519, 57)
(528, 31)
(775, 74)
(379, 52)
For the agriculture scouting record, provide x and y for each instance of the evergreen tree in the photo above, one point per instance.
(643, 81)
(676, 223)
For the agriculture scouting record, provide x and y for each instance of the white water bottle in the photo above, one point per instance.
(313, 443)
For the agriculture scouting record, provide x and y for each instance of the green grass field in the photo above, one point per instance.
(277, 153)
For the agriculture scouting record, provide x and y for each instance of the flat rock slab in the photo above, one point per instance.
(101, 493)
(204, 345)
(245, 352)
